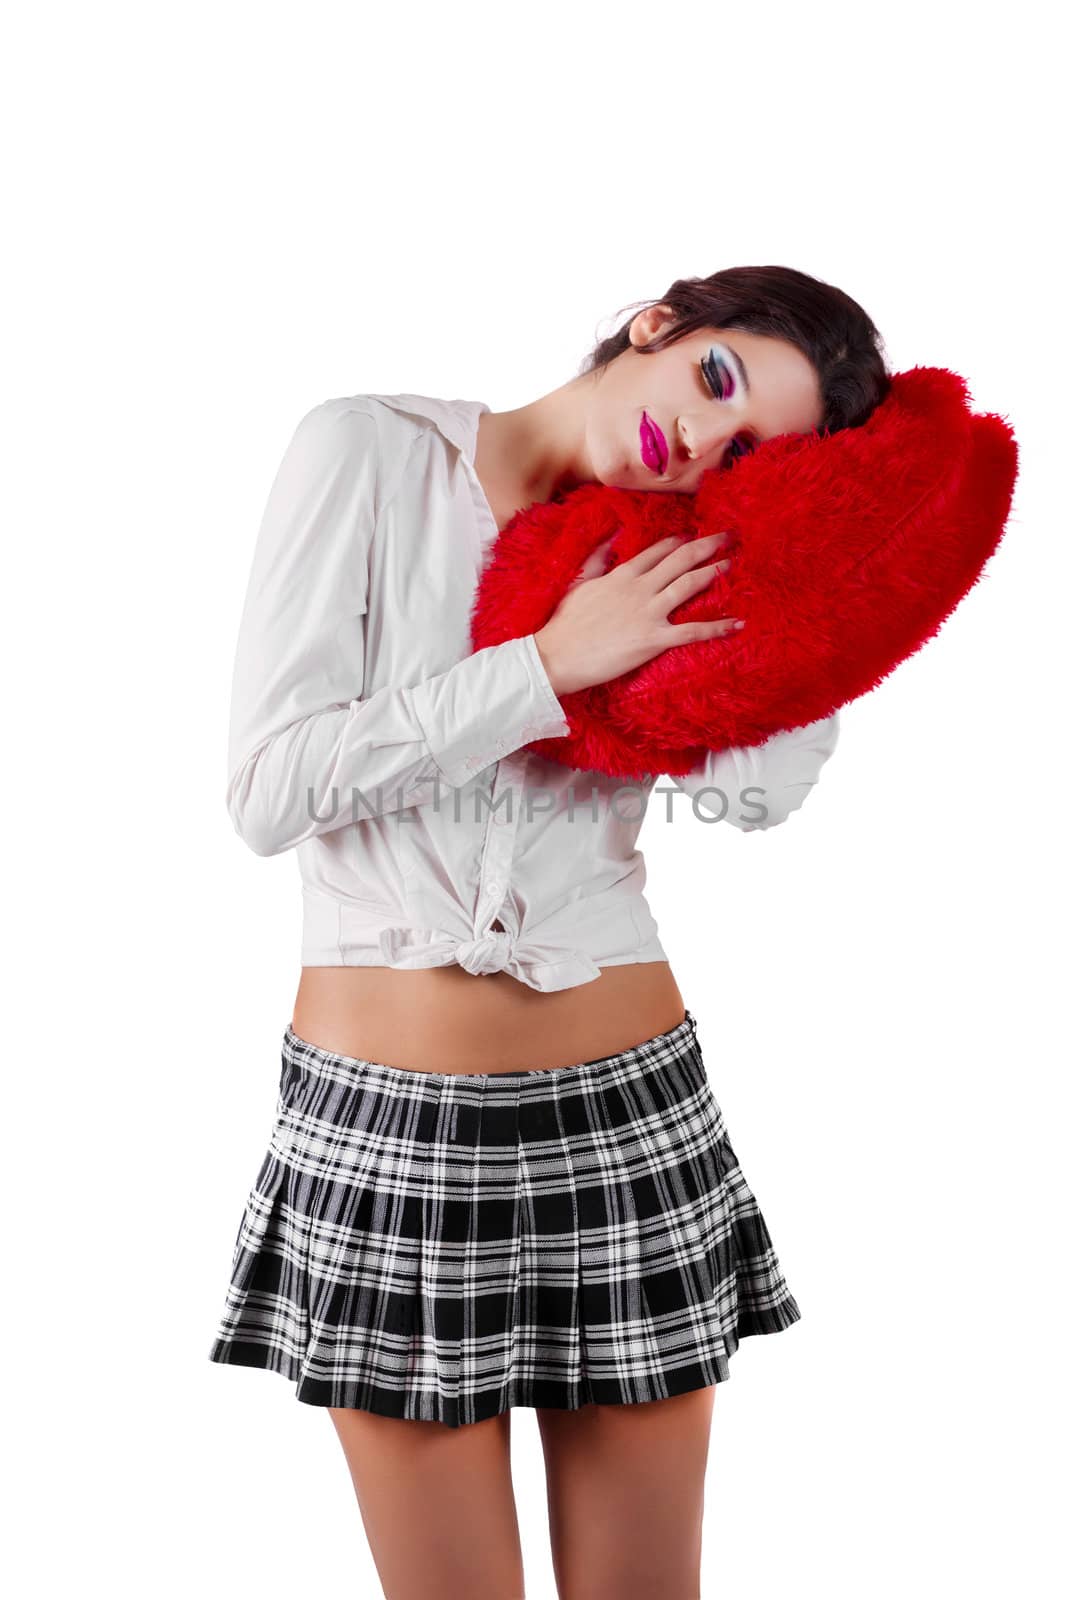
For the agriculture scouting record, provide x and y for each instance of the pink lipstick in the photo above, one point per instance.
(654, 451)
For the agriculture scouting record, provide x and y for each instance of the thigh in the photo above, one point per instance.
(437, 1505)
(626, 1496)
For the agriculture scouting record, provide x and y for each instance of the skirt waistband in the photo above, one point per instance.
(638, 1059)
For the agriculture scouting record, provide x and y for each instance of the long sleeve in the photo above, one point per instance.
(775, 777)
(301, 740)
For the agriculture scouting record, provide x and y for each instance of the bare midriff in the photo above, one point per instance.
(445, 1019)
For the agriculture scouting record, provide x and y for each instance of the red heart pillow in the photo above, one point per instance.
(854, 547)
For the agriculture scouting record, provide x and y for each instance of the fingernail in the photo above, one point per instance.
(738, 624)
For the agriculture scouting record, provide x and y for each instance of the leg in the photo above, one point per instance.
(437, 1505)
(626, 1496)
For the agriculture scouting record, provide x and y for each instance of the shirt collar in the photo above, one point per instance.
(456, 420)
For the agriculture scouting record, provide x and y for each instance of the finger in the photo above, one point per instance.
(698, 632)
(596, 562)
(688, 584)
(691, 554)
(652, 554)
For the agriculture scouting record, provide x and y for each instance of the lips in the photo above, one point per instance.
(654, 451)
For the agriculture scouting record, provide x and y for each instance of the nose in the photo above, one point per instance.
(707, 446)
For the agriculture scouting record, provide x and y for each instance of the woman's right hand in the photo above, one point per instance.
(609, 624)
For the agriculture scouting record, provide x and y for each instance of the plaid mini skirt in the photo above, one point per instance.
(445, 1246)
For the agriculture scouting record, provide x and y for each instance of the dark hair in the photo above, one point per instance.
(836, 334)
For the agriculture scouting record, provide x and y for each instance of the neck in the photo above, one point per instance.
(537, 447)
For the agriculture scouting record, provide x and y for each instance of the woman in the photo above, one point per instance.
(498, 1175)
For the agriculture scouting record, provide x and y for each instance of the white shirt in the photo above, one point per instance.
(367, 737)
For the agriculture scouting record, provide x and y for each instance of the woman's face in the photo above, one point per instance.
(661, 421)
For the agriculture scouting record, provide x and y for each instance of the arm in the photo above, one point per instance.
(772, 778)
(297, 721)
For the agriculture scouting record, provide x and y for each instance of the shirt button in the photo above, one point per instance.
(493, 885)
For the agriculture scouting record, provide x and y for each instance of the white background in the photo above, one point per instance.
(221, 215)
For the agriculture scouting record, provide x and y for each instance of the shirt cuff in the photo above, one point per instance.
(487, 706)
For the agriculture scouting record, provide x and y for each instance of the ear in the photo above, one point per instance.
(648, 323)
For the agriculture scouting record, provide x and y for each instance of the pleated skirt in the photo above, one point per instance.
(445, 1246)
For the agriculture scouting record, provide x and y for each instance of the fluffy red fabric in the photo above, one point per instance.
(853, 550)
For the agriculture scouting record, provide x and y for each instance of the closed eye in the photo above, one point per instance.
(714, 380)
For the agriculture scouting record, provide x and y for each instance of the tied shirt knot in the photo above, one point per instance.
(490, 953)
(540, 964)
